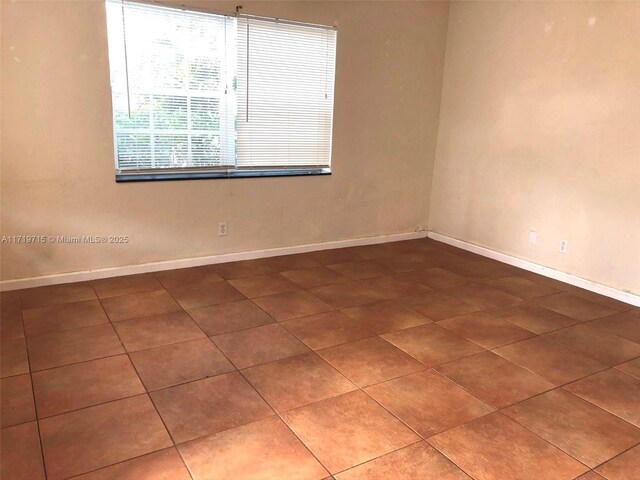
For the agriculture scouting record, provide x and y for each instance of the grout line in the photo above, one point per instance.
(149, 396)
(121, 463)
(616, 456)
(147, 392)
(380, 456)
(33, 396)
(285, 423)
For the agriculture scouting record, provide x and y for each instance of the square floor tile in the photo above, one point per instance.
(11, 301)
(208, 406)
(437, 278)
(403, 262)
(534, 318)
(297, 381)
(55, 318)
(601, 299)
(11, 324)
(497, 448)
(612, 390)
(432, 344)
(169, 365)
(440, 258)
(289, 305)
(486, 329)
(552, 361)
(244, 268)
(590, 476)
(360, 269)
(428, 402)
(327, 329)
(314, 277)
(482, 270)
(198, 295)
(597, 344)
(263, 285)
(16, 401)
(20, 455)
(632, 367)
(334, 255)
(56, 294)
(263, 450)
(385, 317)
(115, 286)
(394, 286)
(328, 426)
(230, 317)
(263, 344)
(137, 305)
(494, 379)
(13, 357)
(374, 251)
(418, 461)
(575, 426)
(521, 287)
(462, 254)
(482, 296)
(369, 361)
(415, 245)
(157, 330)
(64, 389)
(73, 346)
(100, 436)
(623, 467)
(438, 306)
(575, 307)
(552, 282)
(162, 465)
(346, 294)
(284, 263)
(625, 325)
(172, 279)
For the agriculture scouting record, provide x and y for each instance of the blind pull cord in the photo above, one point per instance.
(226, 60)
(247, 98)
(126, 61)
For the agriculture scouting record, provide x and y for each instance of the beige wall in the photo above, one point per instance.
(57, 152)
(540, 129)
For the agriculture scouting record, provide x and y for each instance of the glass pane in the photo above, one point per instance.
(205, 114)
(205, 150)
(171, 151)
(140, 108)
(169, 112)
(204, 73)
(169, 71)
(133, 151)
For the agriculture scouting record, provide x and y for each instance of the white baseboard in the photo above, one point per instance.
(611, 292)
(85, 275)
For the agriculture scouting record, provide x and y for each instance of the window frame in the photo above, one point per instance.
(220, 172)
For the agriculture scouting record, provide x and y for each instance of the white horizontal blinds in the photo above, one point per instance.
(172, 76)
(285, 76)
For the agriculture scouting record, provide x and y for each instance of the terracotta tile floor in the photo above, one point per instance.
(407, 360)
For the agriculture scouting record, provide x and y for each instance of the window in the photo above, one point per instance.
(206, 95)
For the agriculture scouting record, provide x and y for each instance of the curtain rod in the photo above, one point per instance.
(237, 14)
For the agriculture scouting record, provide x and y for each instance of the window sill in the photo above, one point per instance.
(213, 174)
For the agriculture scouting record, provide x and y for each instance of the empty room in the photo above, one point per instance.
(316, 239)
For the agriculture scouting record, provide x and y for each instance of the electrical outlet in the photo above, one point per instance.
(564, 245)
(222, 229)
(533, 237)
